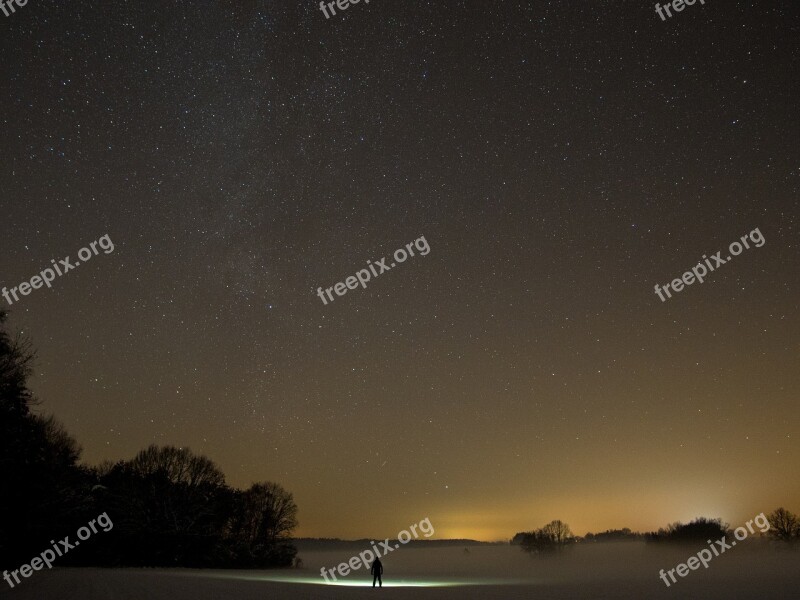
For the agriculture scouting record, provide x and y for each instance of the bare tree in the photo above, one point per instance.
(784, 525)
(179, 465)
(270, 513)
(61, 447)
(553, 536)
(260, 529)
(176, 493)
(558, 531)
(16, 366)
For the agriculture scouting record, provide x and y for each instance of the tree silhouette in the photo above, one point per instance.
(614, 535)
(43, 489)
(552, 537)
(172, 506)
(16, 361)
(264, 517)
(700, 529)
(169, 507)
(784, 525)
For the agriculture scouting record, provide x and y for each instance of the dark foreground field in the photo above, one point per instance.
(627, 570)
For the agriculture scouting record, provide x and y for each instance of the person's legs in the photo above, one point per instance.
(374, 578)
(380, 580)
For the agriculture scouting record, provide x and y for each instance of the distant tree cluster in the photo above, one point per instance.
(614, 535)
(784, 526)
(557, 535)
(553, 537)
(169, 506)
(699, 530)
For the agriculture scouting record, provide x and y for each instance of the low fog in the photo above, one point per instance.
(753, 569)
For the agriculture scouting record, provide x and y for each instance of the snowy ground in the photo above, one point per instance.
(626, 571)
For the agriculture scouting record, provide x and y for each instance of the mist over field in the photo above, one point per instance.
(753, 569)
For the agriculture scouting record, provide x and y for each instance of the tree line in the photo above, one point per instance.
(784, 526)
(169, 506)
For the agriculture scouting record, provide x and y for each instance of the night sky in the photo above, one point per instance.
(560, 159)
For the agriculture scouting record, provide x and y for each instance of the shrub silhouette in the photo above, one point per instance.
(701, 529)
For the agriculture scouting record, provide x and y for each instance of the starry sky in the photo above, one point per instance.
(560, 159)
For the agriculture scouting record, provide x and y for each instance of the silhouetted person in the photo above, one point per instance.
(377, 571)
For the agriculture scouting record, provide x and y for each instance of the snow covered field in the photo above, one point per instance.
(623, 570)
